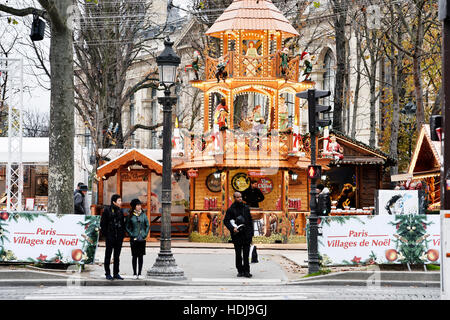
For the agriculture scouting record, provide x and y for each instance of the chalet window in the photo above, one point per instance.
(337, 177)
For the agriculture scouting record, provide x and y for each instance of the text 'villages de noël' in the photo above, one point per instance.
(31, 241)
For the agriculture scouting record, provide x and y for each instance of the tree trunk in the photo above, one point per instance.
(341, 52)
(348, 92)
(373, 102)
(418, 90)
(393, 145)
(358, 82)
(61, 138)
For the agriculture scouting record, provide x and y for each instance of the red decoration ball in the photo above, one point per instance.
(432, 254)
(77, 254)
(391, 254)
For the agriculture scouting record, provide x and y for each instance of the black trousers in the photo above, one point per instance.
(112, 247)
(242, 252)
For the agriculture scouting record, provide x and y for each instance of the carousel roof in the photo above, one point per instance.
(252, 15)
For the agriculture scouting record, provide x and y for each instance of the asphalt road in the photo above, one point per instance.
(220, 293)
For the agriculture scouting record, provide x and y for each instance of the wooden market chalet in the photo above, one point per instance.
(424, 168)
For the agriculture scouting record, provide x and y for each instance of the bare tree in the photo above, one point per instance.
(358, 81)
(416, 18)
(6, 47)
(340, 11)
(61, 158)
(112, 38)
(35, 123)
(371, 43)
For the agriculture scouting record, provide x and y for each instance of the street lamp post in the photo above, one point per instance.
(165, 266)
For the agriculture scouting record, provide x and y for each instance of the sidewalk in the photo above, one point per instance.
(213, 264)
(210, 263)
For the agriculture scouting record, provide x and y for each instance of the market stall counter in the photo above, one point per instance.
(347, 211)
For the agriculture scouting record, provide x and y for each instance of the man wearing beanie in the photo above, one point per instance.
(238, 221)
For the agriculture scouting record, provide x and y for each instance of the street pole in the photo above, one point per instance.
(444, 16)
(445, 169)
(314, 110)
(313, 251)
(165, 266)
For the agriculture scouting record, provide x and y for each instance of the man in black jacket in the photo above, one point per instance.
(78, 199)
(112, 225)
(252, 195)
(239, 221)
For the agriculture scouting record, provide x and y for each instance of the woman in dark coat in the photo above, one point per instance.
(137, 227)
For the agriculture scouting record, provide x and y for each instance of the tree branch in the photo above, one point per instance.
(22, 12)
(139, 126)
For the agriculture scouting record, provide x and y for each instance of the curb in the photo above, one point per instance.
(361, 283)
(374, 279)
(77, 282)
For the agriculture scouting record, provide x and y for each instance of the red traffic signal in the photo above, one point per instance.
(314, 172)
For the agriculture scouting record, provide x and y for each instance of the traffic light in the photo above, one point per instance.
(435, 124)
(314, 172)
(315, 109)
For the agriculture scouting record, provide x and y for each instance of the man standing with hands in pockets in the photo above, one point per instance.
(112, 224)
(239, 221)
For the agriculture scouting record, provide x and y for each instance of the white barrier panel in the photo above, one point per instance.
(380, 239)
(445, 249)
(47, 238)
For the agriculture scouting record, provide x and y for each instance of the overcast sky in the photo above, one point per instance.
(36, 97)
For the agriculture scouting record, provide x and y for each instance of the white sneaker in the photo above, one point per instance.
(135, 277)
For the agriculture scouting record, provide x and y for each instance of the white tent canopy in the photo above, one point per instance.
(34, 150)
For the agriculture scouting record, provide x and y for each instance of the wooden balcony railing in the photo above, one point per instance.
(236, 144)
(242, 66)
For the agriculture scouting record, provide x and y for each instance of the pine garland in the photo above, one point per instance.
(411, 238)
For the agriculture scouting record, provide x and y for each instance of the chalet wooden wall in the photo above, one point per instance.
(296, 190)
(300, 189)
(201, 191)
(369, 182)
